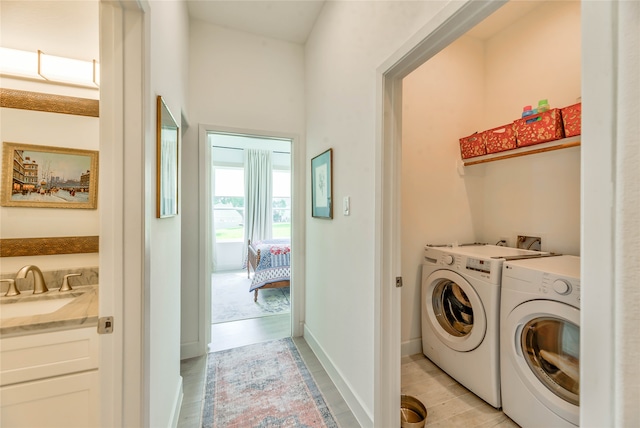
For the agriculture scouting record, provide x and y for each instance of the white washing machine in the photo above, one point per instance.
(540, 341)
(460, 313)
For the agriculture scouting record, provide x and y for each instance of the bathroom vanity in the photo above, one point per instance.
(49, 359)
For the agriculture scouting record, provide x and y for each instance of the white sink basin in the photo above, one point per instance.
(33, 307)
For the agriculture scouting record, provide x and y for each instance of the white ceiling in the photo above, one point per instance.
(290, 20)
(293, 20)
(54, 26)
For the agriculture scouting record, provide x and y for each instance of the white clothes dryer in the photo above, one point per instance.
(460, 313)
(540, 341)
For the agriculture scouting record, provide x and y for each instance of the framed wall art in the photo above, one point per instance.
(321, 185)
(49, 177)
(168, 135)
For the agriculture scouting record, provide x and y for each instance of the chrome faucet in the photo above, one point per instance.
(39, 285)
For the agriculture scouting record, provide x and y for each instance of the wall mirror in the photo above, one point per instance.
(167, 162)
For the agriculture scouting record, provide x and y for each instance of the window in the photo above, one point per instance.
(281, 227)
(228, 203)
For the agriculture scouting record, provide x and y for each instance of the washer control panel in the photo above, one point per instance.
(479, 265)
(487, 269)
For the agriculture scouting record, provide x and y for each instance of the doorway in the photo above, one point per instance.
(433, 37)
(598, 239)
(251, 213)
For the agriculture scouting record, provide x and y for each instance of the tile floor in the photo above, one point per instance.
(448, 403)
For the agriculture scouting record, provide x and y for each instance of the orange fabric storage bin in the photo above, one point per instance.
(472, 146)
(499, 139)
(572, 120)
(541, 127)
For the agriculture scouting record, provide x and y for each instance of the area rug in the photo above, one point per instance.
(265, 385)
(232, 301)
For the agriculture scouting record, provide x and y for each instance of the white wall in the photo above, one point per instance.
(439, 206)
(609, 347)
(52, 27)
(535, 194)
(229, 256)
(236, 80)
(169, 51)
(349, 42)
(474, 85)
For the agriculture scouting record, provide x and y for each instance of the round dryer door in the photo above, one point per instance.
(546, 352)
(454, 310)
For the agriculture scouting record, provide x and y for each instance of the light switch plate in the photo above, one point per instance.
(346, 205)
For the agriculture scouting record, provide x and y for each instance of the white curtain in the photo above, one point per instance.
(258, 195)
(214, 247)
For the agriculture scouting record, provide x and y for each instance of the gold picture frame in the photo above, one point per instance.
(168, 139)
(49, 177)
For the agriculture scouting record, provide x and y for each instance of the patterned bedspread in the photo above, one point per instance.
(274, 263)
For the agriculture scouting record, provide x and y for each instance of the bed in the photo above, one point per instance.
(270, 261)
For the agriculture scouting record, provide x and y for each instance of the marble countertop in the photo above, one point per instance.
(81, 312)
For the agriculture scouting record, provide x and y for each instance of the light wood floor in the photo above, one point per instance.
(448, 403)
(234, 334)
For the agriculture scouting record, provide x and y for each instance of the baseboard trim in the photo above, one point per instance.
(411, 347)
(359, 412)
(191, 350)
(177, 405)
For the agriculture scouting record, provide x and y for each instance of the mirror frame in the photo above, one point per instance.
(51, 103)
(19, 247)
(168, 139)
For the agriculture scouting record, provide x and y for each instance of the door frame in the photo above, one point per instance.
(453, 20)
(206, 228)
(599, 236)
(124, 237)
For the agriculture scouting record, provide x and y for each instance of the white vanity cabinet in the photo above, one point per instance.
(50, 379)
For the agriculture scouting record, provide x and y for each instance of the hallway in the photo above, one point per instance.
(193, 372)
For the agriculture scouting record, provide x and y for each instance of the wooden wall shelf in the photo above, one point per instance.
(564, 143)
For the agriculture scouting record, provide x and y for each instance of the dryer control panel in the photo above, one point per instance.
(553, 278)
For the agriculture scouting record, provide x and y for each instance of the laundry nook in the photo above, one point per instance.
(482, 168)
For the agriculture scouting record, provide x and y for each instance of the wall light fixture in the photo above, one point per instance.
(55, 69)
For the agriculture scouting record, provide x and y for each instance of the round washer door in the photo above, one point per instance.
(454, 310)
(545, 351)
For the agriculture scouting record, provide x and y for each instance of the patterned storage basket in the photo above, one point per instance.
(539, 128)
